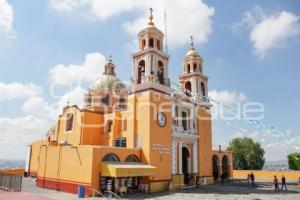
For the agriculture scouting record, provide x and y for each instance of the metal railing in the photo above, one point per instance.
(10, 182)
(97, 192)
(111, 194)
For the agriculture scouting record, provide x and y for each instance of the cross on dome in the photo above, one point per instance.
(151, 17)
(192, 42)
(110, 59)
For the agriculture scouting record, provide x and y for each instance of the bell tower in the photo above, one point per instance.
(193, 79)
(150, 62)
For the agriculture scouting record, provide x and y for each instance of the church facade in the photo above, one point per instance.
(145, 136)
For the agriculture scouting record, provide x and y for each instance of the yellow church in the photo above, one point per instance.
(146, 136)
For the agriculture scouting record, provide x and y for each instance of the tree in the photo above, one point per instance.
(294, 161)
(247, 154)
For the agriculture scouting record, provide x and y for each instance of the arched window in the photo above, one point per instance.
(195, 67)
(188, 88)
(105, 100)
(111, 158)
(200, 67)
(188, 68)
(215, 167)
(69, 122)
(225, 169)
(203, 88)
(132, 158)
(160, 72)
(141, 71)
(122, 103)
(158, 44)
(143, 44)
(151, 43)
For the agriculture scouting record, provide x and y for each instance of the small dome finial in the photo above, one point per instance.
(151, 17)
(192, 42)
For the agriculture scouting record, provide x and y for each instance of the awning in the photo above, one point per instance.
(125, 169)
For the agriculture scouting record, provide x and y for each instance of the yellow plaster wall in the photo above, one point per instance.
(267, 175)
(72, 136)
(66, 163)
(160, 135)
(205, 142)
(34, 155)
(92, 128)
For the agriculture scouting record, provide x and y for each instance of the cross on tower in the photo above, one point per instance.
(192, 42)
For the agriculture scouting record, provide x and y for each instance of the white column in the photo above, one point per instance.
(180, 157)
(193, 83)
(147, 65)
(195, 157)
(191, 118)
(174, 157)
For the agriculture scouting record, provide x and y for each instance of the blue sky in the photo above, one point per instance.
(250, 51)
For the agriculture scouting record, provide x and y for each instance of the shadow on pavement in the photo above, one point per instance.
(233, 188)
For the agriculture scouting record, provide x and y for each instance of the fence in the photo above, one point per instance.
(11, 180)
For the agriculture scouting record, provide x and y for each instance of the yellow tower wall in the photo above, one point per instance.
(205, 143)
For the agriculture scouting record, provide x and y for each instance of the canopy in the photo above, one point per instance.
(125, 169)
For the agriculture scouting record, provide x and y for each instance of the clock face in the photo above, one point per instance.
(161, 119)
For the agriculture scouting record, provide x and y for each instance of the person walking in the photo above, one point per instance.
(204, 182)
(276, 183)
(283, 182)
(252, 177)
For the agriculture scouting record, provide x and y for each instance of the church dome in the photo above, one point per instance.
(108, 83)
(192, 52)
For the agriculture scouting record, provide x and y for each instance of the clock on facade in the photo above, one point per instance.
(161, 119)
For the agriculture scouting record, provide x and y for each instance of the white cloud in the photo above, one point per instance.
(184, 19)
(6, 19)
(10, 91)
(74, 97)
(17, 133)
(88, 71)
(66, 5)
(227, 97)
(274, 30)
(267, 32)
(37, 106)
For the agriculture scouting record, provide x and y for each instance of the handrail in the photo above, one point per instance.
(114, 194)
(98, 192)
(102, 195)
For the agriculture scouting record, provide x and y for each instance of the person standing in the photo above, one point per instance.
(197, 181)
(204, 182)
(248, 179)
(276, 183)
(283, 182)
